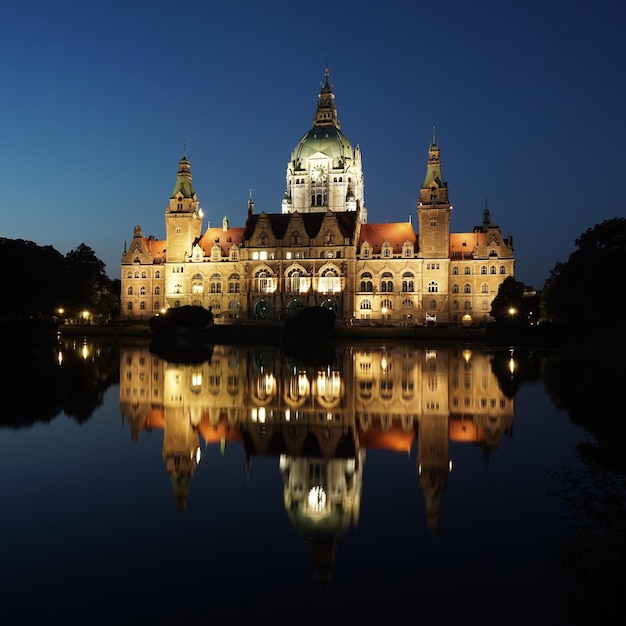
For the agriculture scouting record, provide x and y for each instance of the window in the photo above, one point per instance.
(216, 283)
(386, 283)
(502, 269)
(492, 270)
(386, 304)
(129, 275)
(433, 305)
(467, 305)
(484, 288)
(142, 291)
(366, 252)
(156, 305)
(455, 305)
(366, 282)
(264, 281)
(129, 306)
(130, 291)
(366, 305)
(142, 305)
(483, 269)
(329, 281)
(178, 288)
(157, 291)
(455, 271)
(467, 288)
(233, 283)
(293, 281)
(408, 284)
(455, 288)
(157, 274)
(144, 274)
(433, 286)
(467, 270)
(407, 303)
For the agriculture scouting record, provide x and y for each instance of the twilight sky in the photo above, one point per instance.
(99, 98)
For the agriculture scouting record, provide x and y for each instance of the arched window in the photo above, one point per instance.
(386, 284)
(407, 303)
(293, 281)
(264, 281)
(467, 305)
(502, 269)
(178, 288)
(408, 284)
(433, 287)
(216, 283)
(329, 281)
(386, 304)
(455, 288)
(455, 305)
(157, 274)
(136, 274)
(157, 291)
(483, 269)
(130, 291)
(144, 274)
(142, 305)
(455, 271)
(129, 275)
(366, 282)
(492, 269)
(467, 270)
(484, 288)
(233, 283)
(142, 290)
(366, 305)
(129, 306)
(433, 305)
(467, 288)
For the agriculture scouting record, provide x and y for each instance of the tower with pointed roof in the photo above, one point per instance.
(183, 219)
(433, 208)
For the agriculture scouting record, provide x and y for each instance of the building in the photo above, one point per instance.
(320, 249)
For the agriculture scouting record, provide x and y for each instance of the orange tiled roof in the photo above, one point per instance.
(225, 238)
(396, 234)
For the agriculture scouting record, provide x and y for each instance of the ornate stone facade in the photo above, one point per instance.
(320, 249)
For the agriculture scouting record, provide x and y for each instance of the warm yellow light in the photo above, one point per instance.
(512, 311)
(85, 315)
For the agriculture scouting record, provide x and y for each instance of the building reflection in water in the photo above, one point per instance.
(318, 420)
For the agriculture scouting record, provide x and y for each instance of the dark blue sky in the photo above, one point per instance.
(99, 97)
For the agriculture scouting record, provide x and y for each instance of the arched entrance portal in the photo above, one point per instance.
(330, 304)
(262, 310)
(293, 307)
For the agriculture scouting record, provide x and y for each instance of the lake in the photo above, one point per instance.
(389, 481)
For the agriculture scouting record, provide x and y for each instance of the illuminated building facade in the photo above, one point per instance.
(320, 249)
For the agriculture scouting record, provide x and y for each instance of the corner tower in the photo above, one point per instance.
(324, 172)
(183, 218)
(433, 208)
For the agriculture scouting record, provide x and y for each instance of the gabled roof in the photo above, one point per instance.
(312, 222)
(396, 234)
(466, 242)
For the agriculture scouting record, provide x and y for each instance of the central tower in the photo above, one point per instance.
(324, 172)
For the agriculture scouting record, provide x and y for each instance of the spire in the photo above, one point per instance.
(326, 111)
(433, 167)
(250, 204)
(183, 178)
(225, 224)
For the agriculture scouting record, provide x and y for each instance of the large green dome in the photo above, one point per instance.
(328, 140)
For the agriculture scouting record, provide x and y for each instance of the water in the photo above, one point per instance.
(379, 481)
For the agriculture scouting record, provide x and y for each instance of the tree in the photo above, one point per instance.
(586, 291)
(513, 309)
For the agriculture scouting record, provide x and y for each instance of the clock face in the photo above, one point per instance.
(319, 173)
